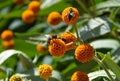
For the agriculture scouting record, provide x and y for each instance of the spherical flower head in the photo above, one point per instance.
(54, 18)
(41, 48)
(7, 35)
(79, 76)
(45, 71)
(28, 16)
(69, 37)
(70, 15)
(18, 1)
(57, 47)
(84, 53)
(8, 44)
(15, 78)
(34, 6)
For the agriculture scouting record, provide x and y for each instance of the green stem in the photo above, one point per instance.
(76, 30)
(103, 66)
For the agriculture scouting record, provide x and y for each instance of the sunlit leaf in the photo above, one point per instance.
(27, 63)
(116, 55)
(106, 43)
(108, 4)
(100, 73)
(94, 28)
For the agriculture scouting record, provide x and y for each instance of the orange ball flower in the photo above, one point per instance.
(45, 71)
(28, 16)
(54, 18)
(15, 78)
(18, 1)
(79, 76)
(84, 53)
(7, 35)
(70, 15)
(57, 47)
(34, 6)
(69, 37)
(41, 48)
(8, 44)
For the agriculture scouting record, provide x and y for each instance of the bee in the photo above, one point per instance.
(70, 14)
(51, 37)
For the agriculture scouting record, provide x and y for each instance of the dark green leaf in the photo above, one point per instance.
(111, 65)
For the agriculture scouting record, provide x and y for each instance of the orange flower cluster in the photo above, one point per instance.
(28, 16)
(7, 37)
(84, 53)
(69, 38)
(57, 47)
(79, 76)
(54, 18)
(34, 6)
(15, 78)
(45, 71)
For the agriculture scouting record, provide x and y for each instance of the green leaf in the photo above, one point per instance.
(86, 67)
(13, 14)
(26, 61)
(108, 4)
(111, 64)
(5, 3)
(59, 6)
(100, 73)
(28, 48)
(94, 28)
(69, 68)
(106, 43)
(2, 73)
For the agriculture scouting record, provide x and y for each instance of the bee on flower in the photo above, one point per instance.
(70, 15)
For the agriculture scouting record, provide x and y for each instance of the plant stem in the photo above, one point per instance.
(103, 66)
(76, 30)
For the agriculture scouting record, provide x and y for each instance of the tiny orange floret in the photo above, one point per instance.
(15, 78)
(79, 76)
(69, 38)
(45, 71)
(7, 35)
(28, 16)
(57, 47)
(18, 1)
(84, 53)
(34, 6)
(8, 44)
(70, 15)
(54, 18)
(41, 48)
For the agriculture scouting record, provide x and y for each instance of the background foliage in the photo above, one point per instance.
(99, 25)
